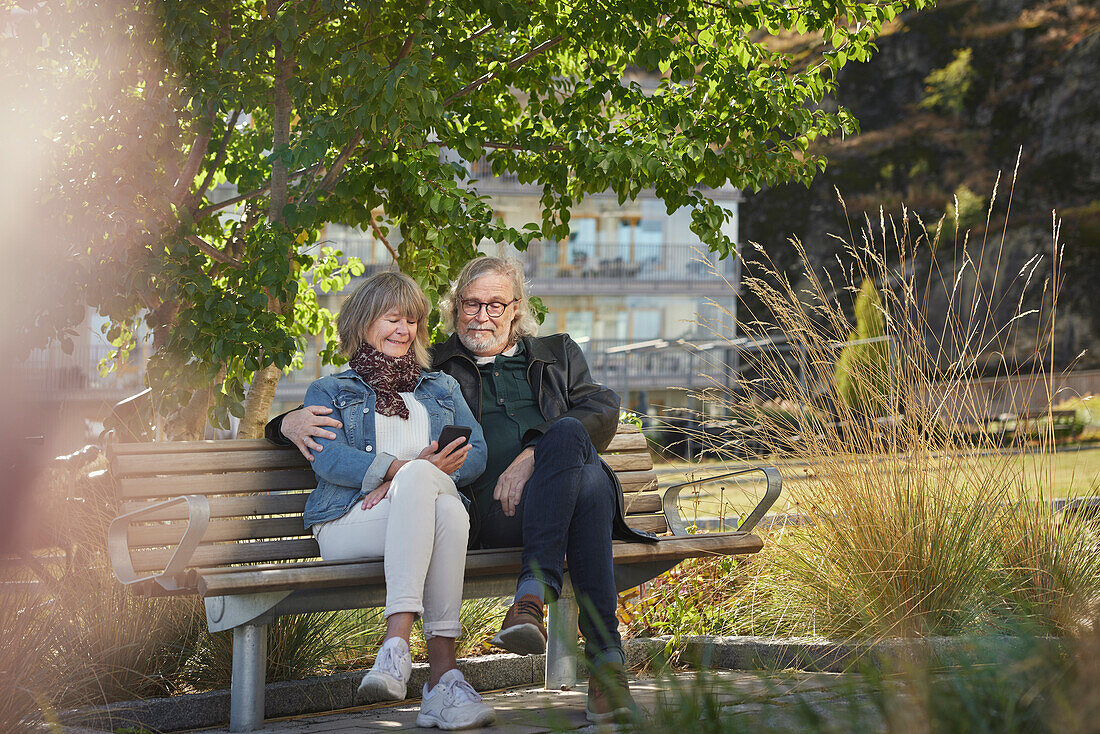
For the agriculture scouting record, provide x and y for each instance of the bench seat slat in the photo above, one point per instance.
(478, 563)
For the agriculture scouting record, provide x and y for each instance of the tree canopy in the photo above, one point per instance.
(325, 111)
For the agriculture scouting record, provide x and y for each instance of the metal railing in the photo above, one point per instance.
(655, 364)
(52, 371)
(564, 264)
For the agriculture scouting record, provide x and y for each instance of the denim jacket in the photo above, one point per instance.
(350, 465)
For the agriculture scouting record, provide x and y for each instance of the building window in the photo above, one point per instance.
(582, 242)
(647, 324)
(354, 242)
(579, 324)
(640, 241)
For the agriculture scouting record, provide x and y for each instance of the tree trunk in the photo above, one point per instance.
(189, 422)
(261, 394)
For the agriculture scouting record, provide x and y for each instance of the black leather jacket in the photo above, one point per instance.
(563, 386)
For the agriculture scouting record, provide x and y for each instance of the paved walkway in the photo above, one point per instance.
(529, 710)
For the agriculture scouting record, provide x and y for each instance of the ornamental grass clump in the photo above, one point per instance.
(903, 524)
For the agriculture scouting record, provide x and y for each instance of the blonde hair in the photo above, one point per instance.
(525, 323)
(374, 298)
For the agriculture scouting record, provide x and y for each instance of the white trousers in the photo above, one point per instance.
(420, 528)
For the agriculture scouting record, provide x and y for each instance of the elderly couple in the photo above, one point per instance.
(530, 476)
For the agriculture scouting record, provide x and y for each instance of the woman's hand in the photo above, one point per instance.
(448, 459)
(376, 495)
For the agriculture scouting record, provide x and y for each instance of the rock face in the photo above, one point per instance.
(1015, 79)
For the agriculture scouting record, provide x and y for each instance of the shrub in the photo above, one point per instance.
(947, 89)
(966, 209)
(862, 371)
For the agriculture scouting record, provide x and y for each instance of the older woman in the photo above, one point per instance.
(386, 488)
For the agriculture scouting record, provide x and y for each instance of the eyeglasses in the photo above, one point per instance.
(493, 309)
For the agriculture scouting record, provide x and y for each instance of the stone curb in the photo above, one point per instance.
(491, 672)
(819, 655)
(290, 698)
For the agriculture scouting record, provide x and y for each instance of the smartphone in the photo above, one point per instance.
(450, 433)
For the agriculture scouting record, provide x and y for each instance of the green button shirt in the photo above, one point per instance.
(508, 411)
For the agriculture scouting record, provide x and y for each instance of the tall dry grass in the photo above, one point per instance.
(903, 530)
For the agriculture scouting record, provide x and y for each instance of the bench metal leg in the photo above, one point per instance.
(561, 649)
(246, 707)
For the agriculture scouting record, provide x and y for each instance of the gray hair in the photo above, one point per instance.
(374, 298)
(524, 325)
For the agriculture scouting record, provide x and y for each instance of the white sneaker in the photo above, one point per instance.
(388, 678)
(454, 704)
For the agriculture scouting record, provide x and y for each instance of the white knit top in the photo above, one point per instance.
(400, 438)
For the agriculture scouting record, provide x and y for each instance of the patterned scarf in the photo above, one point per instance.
(388, 376)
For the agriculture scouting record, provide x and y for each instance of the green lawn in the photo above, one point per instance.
(1065, 473)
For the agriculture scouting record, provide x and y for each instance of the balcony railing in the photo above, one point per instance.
(654, 364)
(52, 373)
(563, 266)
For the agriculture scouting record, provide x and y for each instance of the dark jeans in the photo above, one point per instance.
(565, 513)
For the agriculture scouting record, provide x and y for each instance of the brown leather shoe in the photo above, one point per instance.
(523, 631)
(608, 695)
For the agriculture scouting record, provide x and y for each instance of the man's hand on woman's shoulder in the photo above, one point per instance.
(302, 425)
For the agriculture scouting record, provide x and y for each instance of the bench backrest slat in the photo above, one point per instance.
(210, 461)
(640, 503)
(268, 528)
(246, 506)
(638, 481)
(242, 481)
(629, 462)
(627, 441)
(222, 554)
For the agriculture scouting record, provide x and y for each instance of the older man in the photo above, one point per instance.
(544, 487)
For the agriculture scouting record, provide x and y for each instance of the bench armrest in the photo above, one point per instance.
(672, 496)
(198, 517)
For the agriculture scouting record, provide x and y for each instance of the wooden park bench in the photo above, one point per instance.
(223, 520)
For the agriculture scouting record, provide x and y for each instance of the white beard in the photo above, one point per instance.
(484, 341)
